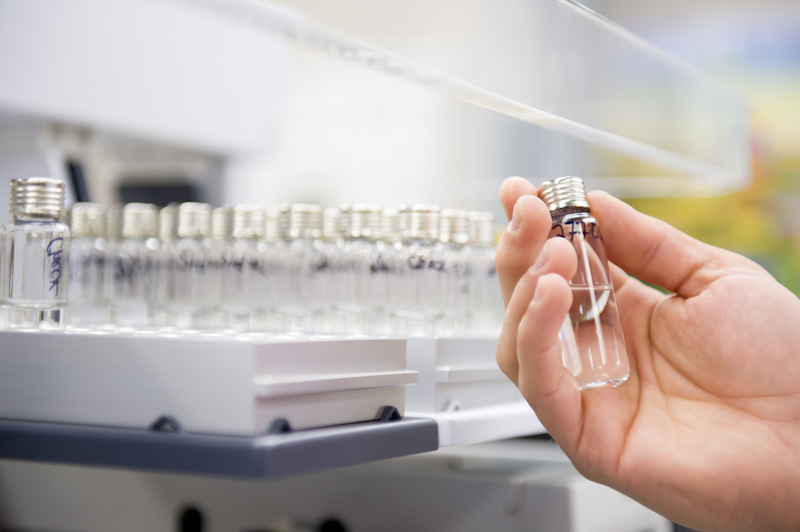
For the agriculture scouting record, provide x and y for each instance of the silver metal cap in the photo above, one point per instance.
(423, 222)
(567, 191)
(305, 221)
(345, 213)
(87, 220)
(222, 223)
(365, 221)
(114, 221)
(284, 220)
(249, 221)
(454, 226)
(194, 220)
(390, 225)
(36, 197)
(139, 220)
(332, 224)
(481, 228)
(168, 222)
(403, 218)
(272, 227)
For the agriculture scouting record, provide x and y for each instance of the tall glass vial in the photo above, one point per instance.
(245, 274)
(416, 280)
(305, 266)
(454, 236)
(486, 300)
(167, 236)
(276, 238)
(89, 267)
(35, 256)
(592, 344)
(335, 224)
(194, 276)
(361, 274)
(134, 267)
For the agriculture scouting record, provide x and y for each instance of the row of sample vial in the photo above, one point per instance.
(358, 270)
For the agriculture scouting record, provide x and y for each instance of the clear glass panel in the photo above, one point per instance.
(552, 63)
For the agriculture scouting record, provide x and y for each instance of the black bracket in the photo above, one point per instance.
(166, 424)
(279, 426)
(389, 413)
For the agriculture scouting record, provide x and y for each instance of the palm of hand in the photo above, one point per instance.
(710, 392)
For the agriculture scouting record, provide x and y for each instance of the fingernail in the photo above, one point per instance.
(541, 260)
(513, 225)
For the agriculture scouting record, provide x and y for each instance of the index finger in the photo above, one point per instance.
(514, 188)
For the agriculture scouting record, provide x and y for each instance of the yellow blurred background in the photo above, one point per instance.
(754, 46)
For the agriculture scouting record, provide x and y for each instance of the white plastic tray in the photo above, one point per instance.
(490, 423)
(237, 385)
(457, 373)
(463, 390)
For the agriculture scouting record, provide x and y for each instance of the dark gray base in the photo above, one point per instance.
(263, 457)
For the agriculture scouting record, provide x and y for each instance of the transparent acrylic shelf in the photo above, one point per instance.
(580, 75)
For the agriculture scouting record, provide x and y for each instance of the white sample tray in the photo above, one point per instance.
(457, 373)
(208, 384)
(463, 390)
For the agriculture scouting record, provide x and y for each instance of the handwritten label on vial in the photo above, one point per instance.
(421, 262)
(590, 229)
(54, 251)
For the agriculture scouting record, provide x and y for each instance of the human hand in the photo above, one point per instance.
(706, 431)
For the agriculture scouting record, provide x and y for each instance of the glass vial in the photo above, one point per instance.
(88, 266)
(35, 256)
(485, 297)
(361, 274)
(592, 344)
(245, 270)
(194, 275)
(416, 277)
(454, 236)
(304, 267)
(134, 267)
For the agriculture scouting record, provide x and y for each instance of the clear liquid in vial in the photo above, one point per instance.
(591, 338)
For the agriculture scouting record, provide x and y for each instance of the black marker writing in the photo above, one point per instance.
(54, 250)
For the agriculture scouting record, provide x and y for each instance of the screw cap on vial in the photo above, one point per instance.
(563, 192)
(454, 226)
(305, 221)
(194, 220)
(249, 221)
(168, 222)
(88, 220)
(345, 212)
(423, 222)
(139, 220)
(365, 221)
(272, 225)
(36, 197)
(390, 224)
(114, 221)
(481, 228)
(332, 228)
(222, 223)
